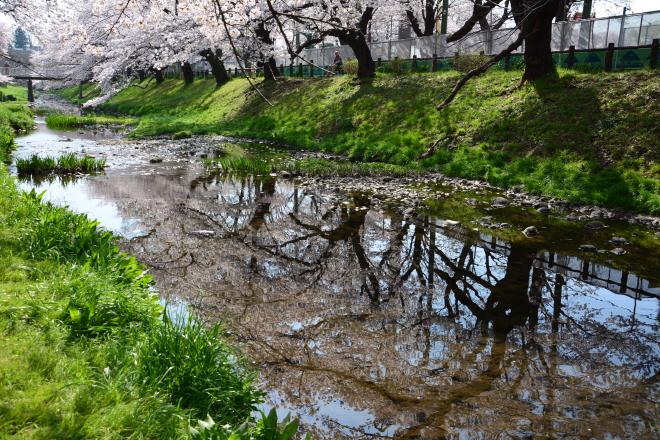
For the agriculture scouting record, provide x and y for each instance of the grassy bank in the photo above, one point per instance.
(87, 351)
(58, 121)
(584, 137)
(15, 118)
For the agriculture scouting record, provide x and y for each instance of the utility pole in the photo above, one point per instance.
(445, 11)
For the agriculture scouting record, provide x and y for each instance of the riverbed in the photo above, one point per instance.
(370, 312)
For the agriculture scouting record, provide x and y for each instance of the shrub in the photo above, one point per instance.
(351, 67)
(465, 63)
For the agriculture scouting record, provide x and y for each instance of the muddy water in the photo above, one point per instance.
(368, 323)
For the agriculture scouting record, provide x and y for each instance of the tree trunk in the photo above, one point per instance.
(188, 74)
(357, 42)
(270, 69)
(536, 27)
(158, 75)
(217, 66)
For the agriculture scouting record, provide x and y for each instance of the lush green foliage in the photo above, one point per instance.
(65, 164)
(60, 121)
(584, 137)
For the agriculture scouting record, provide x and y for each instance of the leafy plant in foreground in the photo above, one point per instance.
(198, 370)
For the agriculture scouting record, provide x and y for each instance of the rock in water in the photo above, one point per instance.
(531, 231)
(499, 202)
(587, 248)
(595, 225)
(618, 251)
(619, 241)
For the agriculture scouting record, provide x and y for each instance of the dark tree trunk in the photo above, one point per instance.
(429, 16)
(214, 57)
(188, 74)
(269, 64)
(142, 75)
(357, 42)
(270, 69)
(563, 7)
(536, 26)
(158, 75)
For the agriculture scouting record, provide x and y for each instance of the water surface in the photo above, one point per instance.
(368, 323)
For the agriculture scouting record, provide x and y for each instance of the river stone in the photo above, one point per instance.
(500, 201)
(203, 233)
(572, 217)
(595, 225)
(543, 209)
(156, 160)
(587, 248)
(620, 241)
(531, 231)
(618, 251)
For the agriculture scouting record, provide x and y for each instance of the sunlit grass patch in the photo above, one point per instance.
(59, 121)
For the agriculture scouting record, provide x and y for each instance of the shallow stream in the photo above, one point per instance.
(372, 320)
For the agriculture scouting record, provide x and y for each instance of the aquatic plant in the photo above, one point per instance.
(66, 164)
(245, 165)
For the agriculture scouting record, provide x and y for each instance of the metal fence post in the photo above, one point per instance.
(609, 56)
(654, 53)
(570, 61)
(434, 66)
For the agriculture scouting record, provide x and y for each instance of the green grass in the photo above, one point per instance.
(72, 94)
(19, 92)
(15, 118)
(66, 164)
(307, 167)
(58, 121)
(585, 137)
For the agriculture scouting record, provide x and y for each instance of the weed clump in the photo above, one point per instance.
(181, 135)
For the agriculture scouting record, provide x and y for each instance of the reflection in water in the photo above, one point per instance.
(368, 324)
